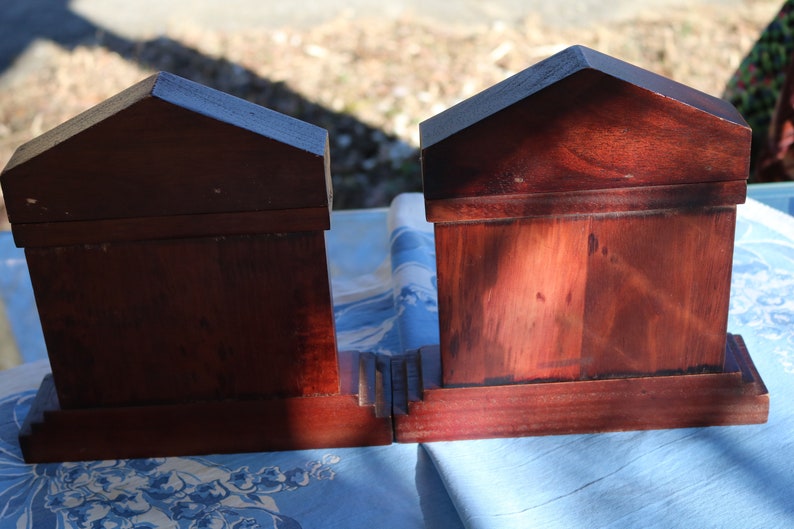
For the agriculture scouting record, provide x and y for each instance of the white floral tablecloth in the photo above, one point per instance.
(382, 265)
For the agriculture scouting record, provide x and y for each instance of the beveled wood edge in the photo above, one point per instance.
(551, 70)
(422, 411)
(589, 406)
(82, 121)
(191, 96)
(596, 201)
(241, 113)
(406, 380)
(374, 383)
(50, 434)
(46, 399)
(737, 349)
(41, 234)
(502, 95)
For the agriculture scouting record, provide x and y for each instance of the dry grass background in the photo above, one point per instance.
(369, 82)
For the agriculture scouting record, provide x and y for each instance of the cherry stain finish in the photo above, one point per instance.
(175, 241)
(584, 216)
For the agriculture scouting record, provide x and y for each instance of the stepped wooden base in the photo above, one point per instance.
(735, 396)
(355, 417)
(384, 399)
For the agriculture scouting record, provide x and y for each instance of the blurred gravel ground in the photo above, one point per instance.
(370, 82)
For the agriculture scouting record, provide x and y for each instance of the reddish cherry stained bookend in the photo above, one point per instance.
(584, 215)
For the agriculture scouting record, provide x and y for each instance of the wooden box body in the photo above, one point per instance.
(584, 216)
(163, 230)
(186, 320)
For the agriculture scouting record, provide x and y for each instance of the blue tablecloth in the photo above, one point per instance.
(383, 279)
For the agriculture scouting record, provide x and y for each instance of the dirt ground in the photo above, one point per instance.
(370, 82)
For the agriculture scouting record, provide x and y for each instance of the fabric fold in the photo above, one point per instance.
(669, 478)
(413, 272)
(384, 298)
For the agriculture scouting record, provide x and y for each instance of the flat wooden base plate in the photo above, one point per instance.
(51, 434)
(735, 396)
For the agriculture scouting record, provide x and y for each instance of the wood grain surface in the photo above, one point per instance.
(584, 214)
(736, 395)
(168, 147)
(581, 121)
(51, 434)
(174, 237)
(181, 320)
(584, 297)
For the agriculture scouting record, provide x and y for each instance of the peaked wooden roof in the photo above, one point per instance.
(166, 147)
(581, 120)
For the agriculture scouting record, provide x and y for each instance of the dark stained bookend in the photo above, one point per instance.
(175, 241)
(584, 215)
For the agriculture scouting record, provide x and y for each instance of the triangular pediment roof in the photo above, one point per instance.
(168, 146)
(581, 120)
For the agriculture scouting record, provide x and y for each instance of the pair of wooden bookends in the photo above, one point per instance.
(584, 216)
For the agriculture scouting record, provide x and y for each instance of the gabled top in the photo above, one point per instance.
(169, 147)
(581, 121)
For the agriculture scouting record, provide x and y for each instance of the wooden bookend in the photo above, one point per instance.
(584, 215)
(175, 241)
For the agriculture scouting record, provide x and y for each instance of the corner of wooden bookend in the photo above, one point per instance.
(175, 241)
(584, 215)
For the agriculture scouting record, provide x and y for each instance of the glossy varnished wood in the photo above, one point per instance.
(511, 300)
(168, 147)
(584, 216)
(592, 236)
(736, 395)
(584, 297)
(40, 234)
(586, 202)
(51, 433)
(657, 294)
(175, 241)
(581, 121)
(181, 320)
